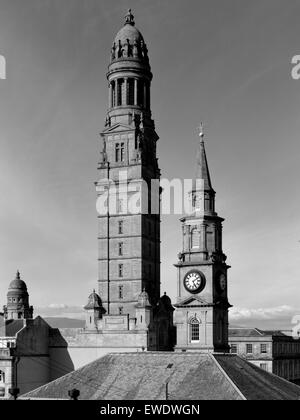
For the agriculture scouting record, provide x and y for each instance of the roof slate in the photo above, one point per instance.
(255, 383)
(191, 376)
(11, 327)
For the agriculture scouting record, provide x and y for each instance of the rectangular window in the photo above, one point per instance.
(120, 270)
(195, 333)
(121, 294)
(121, 225)
(122, 152)
(263, 348)
(121, 310)
(249, 348)
(117, 152)
(121, 249)
(234, 349)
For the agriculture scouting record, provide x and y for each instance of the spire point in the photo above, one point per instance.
(129, 18)
(201, 132)
(202, 170)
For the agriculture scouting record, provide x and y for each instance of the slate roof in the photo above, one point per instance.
(11, 327)
(244, 332)
(254, 332)
(191, 376)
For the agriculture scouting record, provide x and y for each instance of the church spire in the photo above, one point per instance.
(202, 179)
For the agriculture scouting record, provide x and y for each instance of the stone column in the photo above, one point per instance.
(125, 91)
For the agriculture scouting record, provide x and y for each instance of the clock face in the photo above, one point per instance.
(194, 282)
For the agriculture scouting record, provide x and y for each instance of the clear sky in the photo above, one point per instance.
(224, 62)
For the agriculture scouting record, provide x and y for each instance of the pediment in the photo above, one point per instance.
(117, 128)
(193, 301)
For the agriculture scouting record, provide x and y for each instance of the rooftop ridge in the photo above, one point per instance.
(228, 377)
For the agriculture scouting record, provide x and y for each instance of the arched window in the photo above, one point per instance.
(195, 330)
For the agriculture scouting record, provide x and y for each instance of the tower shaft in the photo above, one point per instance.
(128, 234)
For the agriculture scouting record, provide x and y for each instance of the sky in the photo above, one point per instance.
(227, 63)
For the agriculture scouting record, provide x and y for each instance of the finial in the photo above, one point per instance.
(18, 275)
(129, 18)
(201, 132)
(94, 291)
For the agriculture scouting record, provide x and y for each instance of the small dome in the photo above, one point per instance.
(17, 284)
(143, 300)
(94, 302)
(166, 301)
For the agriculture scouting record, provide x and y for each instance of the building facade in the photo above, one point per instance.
(272, 351)
(28, 347)
(201, 315)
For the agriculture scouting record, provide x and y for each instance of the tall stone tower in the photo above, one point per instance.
(201, 315)
(129, 235)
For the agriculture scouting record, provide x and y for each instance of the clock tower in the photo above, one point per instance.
(201, 314)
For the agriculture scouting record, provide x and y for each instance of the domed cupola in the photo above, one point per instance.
(17, 286)
(95, 303)
(143, 300)
(129, 75)
(129, 43)
(18, 300)
(165, 302)
(94, 311)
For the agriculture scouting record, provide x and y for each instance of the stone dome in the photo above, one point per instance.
(129, 43)
(143, 300)
(94, 302)
(130, 33)
(17, 285)
(166, 301)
